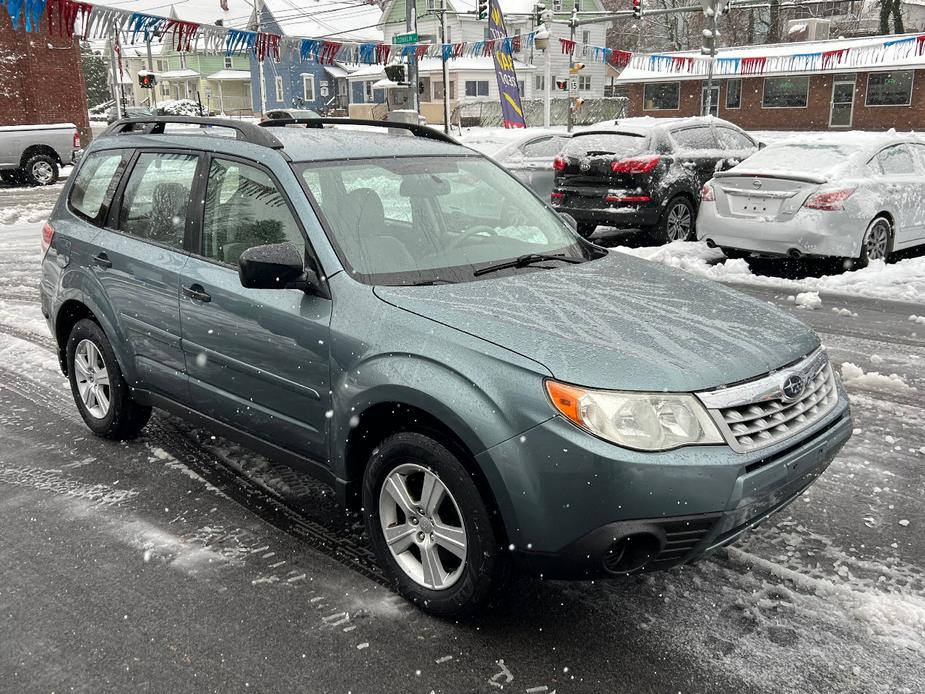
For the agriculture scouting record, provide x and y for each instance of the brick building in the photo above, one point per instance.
(41, 79)
(873, 90)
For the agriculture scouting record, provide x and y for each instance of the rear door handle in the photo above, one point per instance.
(195, 291)
(102, 260)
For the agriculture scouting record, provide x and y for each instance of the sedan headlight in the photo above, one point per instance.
(643, 421)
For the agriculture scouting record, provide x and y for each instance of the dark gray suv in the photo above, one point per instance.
(398, 316)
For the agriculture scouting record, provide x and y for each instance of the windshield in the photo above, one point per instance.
(434, 219)
(607, 143)
(805, 157)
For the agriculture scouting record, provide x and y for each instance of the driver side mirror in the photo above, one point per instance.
(276, 266)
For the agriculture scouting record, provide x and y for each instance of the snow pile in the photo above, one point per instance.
(917, 319)
(807, 300)
(24, 214)
(854, 375)
(901, 281)
(180, 107)
(845, 312)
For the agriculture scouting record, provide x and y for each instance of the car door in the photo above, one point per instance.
(698, 152)
(138, 258)
(918, 150)
(257, 358)
(903, 191)
(532, 161)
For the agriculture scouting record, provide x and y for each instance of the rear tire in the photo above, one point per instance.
(677, 223)
(877, 243)
(425, 548)
(585, 229)
(40, 170)
(99, 389)
(11, 176)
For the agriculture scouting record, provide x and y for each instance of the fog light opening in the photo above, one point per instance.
(631, 553)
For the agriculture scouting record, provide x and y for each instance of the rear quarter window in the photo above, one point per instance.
(95, 184)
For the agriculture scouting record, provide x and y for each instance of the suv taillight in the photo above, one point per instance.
(707, 194)
(829, 200)
(559, 164)
(635, 165)
(48, 233)
(76, 140)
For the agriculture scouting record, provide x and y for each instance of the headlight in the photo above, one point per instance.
(644, 421)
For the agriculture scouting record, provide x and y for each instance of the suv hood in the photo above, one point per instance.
(619, 322)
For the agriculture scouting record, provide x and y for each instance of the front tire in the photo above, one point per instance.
(677, 223)
(877, 243)
(430, 527)
(99, 389)
(41, 170)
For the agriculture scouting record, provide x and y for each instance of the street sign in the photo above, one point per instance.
(573, 83)
(402, 39)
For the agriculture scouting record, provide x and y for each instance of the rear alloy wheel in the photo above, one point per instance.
(40, 170)
(877, 243)
(677, 222)
(429, 525)
(101, 393)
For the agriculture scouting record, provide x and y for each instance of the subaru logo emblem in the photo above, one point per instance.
(756, 183)
(792, 387)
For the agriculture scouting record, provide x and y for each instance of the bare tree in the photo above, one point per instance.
(888, 8)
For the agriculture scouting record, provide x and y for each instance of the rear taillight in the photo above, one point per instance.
(635, 165)
(559, 164)
(76, 140)
(48, 233)
(829, 200)
(707, 194)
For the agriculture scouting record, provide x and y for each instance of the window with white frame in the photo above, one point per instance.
(308, 87)
(584, 83)
(476, 87)
(278, 82)
(889, 88)
(785, 92)
(160, 65)
(183, 64)
(228, 62)
(556, 5)
(538, 83)
(586, 36)
(165, 88)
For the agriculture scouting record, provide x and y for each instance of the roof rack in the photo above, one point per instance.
(414, 128)
(154, 125)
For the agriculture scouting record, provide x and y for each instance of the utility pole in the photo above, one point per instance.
(114, 70)
(258, 11)
(151, 69)
(572, 80)
(446, 70)
(711, 10)
(411, 26)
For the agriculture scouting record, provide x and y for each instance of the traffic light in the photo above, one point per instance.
(576, 68)
(146, 80)
(538, 10)
(562, 85)
(395, 73)
(709, 42)
(637, 9)
(483, 9)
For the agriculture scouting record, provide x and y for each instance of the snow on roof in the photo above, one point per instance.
(339, 20)
(867, 53)
(507, 6)
(185, 73)
(230, 75)
(207, 11)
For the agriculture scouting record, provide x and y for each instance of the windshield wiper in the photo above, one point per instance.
(430, 283)
(524, 261)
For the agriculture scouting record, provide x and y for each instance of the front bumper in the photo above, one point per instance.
(816, 233)
(572, 503)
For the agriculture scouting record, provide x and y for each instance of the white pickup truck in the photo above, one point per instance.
(34, 154)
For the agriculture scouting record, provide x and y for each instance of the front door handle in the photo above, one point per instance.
(195, 291)
(102, 260)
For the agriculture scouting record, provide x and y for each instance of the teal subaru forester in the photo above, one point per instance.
(397, 315)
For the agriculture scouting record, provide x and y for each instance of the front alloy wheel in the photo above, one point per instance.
(422, 526)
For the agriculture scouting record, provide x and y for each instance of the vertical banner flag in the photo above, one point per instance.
(511, 109)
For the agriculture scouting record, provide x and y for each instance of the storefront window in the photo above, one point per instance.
(662, 96)
(785, 92)
(889, 88)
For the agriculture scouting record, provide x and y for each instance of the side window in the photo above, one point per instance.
(243, 209)
(919, 151)
(896, 161)
(545, 147)
(695, 138)
(733, 139)
(95, 183)
(157, 196)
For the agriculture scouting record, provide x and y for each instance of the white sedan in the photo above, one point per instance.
(851, 195)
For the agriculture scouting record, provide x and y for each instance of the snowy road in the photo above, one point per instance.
(180, 562)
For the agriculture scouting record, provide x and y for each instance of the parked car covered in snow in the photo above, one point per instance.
(645, 173)
(849, 195)
(128, 112)
(34, 154)
(530, 158)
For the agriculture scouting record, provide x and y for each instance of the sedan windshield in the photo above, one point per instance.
(427, 220)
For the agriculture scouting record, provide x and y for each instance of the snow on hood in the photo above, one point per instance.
(619, 322)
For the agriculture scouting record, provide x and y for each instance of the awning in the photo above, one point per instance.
(336, 71)
(387, 84)
(230, 76)
(184, 74)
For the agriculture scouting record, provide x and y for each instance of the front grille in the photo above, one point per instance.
(757, 414)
